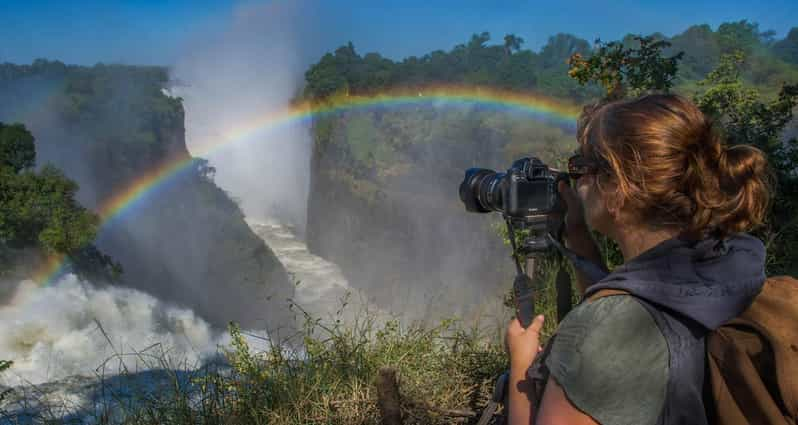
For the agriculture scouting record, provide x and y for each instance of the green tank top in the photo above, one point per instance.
(611, 361)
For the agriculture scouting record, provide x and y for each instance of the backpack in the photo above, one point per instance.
(752, 360)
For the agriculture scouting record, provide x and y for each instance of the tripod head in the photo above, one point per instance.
(538, 241)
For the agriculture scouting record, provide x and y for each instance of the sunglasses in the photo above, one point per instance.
(579, 166)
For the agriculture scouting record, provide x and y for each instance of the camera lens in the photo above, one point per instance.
(527, 190)
(481, 191)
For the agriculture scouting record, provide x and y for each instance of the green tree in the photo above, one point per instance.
(478, 41)
(741, 35)
(618, 68)
(701, 51)
(787, 49)
(17, 150)
(325, 78)
(506, 65)
(512, 43)
(38, 209)
(377, 72)
(560, 48)
(745, 118)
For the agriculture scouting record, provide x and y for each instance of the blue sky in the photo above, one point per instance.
(154, 32)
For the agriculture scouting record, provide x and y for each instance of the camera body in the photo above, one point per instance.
(527, 191)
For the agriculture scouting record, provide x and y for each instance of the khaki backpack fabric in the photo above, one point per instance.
(752, 360)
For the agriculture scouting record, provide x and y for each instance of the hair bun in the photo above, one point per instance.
(745, 177)
(738, 164)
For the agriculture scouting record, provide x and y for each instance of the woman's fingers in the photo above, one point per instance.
(523, 344)
(515, 328)
(536, 324)
(575, 214)
(568, 194)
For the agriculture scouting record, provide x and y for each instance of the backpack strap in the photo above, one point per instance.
(601, 293)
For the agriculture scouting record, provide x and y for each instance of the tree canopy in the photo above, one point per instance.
(38, 208)
(787, 49)
(16, 147)
(507, 65)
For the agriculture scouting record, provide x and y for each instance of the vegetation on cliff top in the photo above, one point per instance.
(123, 122)
(38, 208)
(769, 63)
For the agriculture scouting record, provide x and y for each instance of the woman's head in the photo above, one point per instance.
(659, 164)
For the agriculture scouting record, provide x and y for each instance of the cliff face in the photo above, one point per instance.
(384, 205)
(185, 241)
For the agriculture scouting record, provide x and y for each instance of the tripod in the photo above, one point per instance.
(533, 249)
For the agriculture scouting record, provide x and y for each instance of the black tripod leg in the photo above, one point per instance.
(524, 291)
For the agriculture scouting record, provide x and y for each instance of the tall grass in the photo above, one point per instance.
(331, 378)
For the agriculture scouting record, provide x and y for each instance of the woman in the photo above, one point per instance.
(653, 175)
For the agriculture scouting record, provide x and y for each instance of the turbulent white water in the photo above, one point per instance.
(74, 328)
(321, 287)
(64, 338)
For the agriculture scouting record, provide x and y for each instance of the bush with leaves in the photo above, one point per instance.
(616, 67)
(38, 208)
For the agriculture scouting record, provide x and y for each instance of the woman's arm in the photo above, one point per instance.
(555, 409)
(523, 345)
(520, 407)
(580, 240)
(577, 234)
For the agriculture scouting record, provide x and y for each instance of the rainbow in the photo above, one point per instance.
(538, 107)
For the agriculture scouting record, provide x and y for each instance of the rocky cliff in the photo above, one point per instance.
(185, 241)
(384, 205)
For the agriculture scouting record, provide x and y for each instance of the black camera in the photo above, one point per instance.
(526, 195)
(528, 190)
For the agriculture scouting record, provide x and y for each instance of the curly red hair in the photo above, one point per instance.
(672, 168)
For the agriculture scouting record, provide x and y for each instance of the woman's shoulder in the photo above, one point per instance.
(620, 310)
(618, 322)
(611, 360)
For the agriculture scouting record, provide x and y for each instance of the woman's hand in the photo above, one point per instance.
(575, 222)
(577, 233)
(523, 344)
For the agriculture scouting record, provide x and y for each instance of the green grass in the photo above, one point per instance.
(333, 380)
